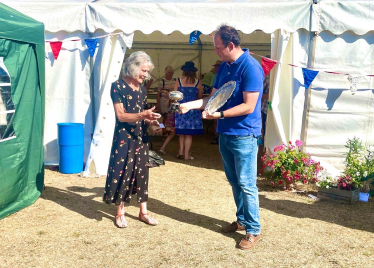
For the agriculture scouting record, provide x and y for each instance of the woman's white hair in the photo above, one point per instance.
(134, 62)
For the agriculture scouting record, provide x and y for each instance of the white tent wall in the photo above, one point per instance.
(67, 95)
(107, 68)
(278, 123)
(335, 114)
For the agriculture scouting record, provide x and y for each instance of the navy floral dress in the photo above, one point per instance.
(191, 122)
(128, 169)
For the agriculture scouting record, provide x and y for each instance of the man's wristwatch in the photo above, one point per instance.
(222, 116)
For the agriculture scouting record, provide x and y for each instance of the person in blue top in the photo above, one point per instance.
(239, 128)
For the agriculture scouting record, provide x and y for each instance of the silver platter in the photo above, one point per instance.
(220, 97)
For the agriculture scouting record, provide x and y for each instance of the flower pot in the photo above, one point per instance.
(339, 195)
(364, 197)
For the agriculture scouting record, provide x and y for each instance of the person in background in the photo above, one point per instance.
(215, 70)
(190, 123)
(163, 103)
(128, 169)
(239, 128)
(208, 79)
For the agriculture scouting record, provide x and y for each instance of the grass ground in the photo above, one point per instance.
(69, 225)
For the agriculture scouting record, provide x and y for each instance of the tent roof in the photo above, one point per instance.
(186, 16)
(19, 27)
(344, 15)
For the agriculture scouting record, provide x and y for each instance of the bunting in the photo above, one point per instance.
(91, 44)
(56, 47)
(193, 37)
(267, 65)
(309, 76)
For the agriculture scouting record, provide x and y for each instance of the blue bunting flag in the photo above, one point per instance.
(91, 44)
(309, 76)
(193, 37)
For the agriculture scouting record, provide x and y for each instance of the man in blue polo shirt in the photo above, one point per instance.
(239, 127)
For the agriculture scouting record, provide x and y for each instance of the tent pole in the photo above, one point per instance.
(200, 55)
(308, 92)
(92, 93)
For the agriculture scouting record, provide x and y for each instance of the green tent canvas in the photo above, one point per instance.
(22, 108)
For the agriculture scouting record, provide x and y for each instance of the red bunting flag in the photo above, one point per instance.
(56, 47)
(267, 65)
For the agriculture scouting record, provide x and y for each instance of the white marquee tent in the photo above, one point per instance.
(327, 36)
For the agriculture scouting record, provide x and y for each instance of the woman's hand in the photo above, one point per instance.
(149, 114)
(154, 123)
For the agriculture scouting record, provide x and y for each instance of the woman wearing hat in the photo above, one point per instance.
(189, 124)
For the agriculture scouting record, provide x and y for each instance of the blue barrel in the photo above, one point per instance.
(70, 141)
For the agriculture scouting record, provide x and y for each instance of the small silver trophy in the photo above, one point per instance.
(175, 96)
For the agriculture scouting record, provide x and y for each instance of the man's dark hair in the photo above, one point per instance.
(228, 34)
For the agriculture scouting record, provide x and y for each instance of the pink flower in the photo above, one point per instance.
(280, 182)
(272, 183)
(295, 161)
(305, 181)
(299, 143)
(290, 142)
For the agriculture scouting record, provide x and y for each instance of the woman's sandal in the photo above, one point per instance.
(148, 219)
(180, 156)
(162, 151)
(191, 158)
(121, 221)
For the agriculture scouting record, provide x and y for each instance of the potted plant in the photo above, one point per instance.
(289, 166)
(358, 168)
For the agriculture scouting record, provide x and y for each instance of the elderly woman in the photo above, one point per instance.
(128, 169)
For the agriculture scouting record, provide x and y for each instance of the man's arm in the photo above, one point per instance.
(247, 107)
(197, 104)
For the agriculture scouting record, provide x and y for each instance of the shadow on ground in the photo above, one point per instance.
(80, 200)
(358, 216)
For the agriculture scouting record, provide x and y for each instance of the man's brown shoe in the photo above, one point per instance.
(233, 227)
(249, 241)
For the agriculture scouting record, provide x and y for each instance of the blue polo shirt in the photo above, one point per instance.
(249, 76)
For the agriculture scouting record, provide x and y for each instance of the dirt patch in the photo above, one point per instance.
(69, 226)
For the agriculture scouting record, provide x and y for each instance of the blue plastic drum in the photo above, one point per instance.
(70, 141)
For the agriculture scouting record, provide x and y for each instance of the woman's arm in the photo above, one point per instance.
(133, 117)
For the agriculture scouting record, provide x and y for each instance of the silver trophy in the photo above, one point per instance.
(220, 97)
(175, 96)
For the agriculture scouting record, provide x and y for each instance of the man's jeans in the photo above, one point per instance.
(239, 157)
